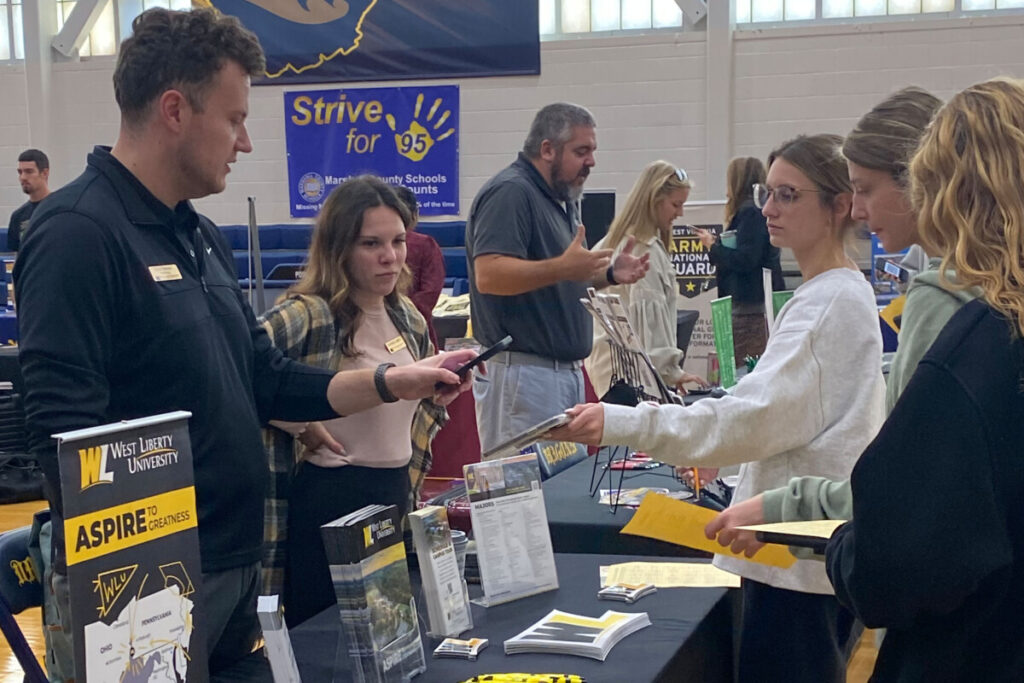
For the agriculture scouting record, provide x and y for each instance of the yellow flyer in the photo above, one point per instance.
(675, 521)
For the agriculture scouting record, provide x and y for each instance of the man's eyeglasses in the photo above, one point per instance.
(784, 194)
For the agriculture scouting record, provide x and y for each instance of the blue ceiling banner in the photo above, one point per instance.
(407, 136)
(316, 41)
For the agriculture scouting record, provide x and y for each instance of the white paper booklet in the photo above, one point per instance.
(571, 634)
(443, 587)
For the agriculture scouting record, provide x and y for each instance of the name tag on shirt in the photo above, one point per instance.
(395, 345)
(165, 273)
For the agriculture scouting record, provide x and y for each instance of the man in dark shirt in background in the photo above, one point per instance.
(34, 176)
(129, 305)
(528, 268)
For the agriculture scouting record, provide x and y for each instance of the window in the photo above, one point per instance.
(568, 17)
(753, 11)
(12, 39)
(114, 23)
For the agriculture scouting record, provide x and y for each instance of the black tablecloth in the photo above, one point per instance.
(689, 639)
(580, 524)
(10, 369)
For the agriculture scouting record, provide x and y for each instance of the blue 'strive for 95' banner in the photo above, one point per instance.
(407, 136)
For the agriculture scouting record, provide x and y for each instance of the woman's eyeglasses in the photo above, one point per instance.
(784, 194)
(681, 174)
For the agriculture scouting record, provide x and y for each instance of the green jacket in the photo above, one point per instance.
(929, 307)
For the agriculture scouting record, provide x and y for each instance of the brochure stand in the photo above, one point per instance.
(513, 542)
(632, 372)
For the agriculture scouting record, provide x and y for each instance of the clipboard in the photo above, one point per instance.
(811, 534)
(816, 544)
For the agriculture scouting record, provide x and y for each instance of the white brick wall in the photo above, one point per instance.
(822, 79)
(647, 93)
(14, 136)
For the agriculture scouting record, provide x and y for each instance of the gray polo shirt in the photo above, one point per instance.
(516, 214)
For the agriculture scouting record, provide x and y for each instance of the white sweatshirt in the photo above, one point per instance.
(812, 404)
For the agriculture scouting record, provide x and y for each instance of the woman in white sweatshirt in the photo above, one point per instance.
(814, 401)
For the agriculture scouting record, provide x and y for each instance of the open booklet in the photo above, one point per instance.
(571, 634)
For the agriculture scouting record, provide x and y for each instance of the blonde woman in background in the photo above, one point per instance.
(654, 203)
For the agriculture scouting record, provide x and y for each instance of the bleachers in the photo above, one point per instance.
(287, 244)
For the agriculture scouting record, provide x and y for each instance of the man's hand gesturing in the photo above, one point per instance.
(579, 263)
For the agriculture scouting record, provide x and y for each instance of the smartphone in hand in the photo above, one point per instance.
(488, 353)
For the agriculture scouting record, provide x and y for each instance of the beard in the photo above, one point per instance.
(567, 190)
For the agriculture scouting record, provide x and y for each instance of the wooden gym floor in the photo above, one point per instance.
(20, 514)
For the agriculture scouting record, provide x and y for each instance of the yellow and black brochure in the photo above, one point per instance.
(132, 544)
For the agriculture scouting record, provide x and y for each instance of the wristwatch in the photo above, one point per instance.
(382, 386)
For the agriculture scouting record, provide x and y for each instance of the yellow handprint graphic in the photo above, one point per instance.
(416, 141)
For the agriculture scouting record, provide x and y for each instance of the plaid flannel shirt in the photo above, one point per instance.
(303, 328)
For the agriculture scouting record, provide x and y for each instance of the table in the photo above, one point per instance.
(10, 368)
(579, 524)
(690, 638)
(8, 327)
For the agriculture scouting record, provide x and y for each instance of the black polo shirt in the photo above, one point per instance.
(127, 309)
(19, 223)
(517, 214)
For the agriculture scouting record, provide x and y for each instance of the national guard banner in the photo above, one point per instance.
(316, 41)
(407, 136)
(696, 278)
(132, 545)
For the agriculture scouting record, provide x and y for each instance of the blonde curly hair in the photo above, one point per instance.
(966, 186)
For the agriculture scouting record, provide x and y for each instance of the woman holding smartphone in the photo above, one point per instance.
(814, 399)
(347, 311)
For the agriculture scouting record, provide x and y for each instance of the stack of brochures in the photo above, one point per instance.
(571, 634)
(626, 592)
(371, 582)
(461, 649)
(443, 588)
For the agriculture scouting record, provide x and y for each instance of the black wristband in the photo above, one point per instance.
(382, 386)
(610, 275)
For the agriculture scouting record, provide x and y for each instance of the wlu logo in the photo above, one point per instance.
(110, 584)
(94, 466)
(24, 571)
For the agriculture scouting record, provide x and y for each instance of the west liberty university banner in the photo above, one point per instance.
(132, 544)
(407, 136)
(309, 41)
